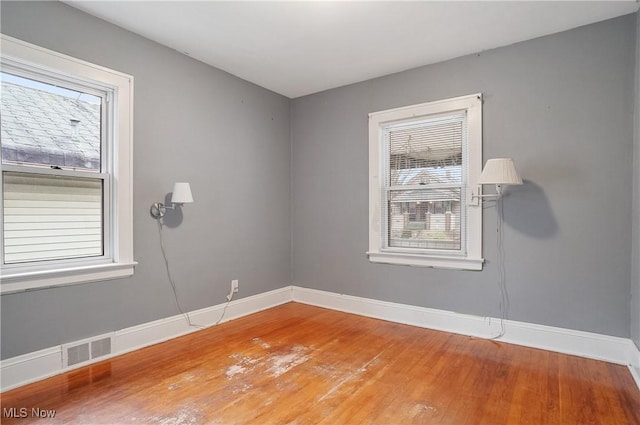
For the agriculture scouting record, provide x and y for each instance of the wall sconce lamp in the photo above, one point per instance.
(501, 172)
(181, 195)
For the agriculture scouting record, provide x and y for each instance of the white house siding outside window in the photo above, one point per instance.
(66, 128)
(422, 161)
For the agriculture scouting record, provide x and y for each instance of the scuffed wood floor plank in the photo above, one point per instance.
(297, 364)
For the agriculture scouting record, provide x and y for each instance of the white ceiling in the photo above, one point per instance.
(298, 48)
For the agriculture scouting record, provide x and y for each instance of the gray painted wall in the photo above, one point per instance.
(560, 106)
(227, 137)
(635, 253)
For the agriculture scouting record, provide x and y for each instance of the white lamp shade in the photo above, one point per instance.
(500, 171)
(181, 194)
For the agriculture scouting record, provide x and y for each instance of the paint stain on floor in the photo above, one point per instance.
(350, 376)
(283, 363)
(234, 370)
(186, 415)
(276, 361)
(261, 343)
(273, 363)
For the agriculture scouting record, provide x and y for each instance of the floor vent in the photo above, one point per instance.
(88, 349)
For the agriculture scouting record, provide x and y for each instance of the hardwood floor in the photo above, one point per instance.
(305, 365)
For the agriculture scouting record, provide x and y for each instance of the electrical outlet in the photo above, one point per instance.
(234, 286)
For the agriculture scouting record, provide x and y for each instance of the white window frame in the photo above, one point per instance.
(117, 175)
(470, 256)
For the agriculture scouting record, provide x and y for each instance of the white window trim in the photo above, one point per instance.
(377, 120)
(120, 262)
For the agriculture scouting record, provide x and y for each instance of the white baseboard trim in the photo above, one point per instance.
(584, 344)
(41, 364)
(146, 334)
(634, 364)
(32, 367)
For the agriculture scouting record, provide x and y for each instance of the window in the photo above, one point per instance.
(422, 162)
(66, 203)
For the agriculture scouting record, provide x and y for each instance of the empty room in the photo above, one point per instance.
(318, 212)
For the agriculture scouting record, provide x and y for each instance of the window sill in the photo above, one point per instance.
(19, 281)
(420, 260)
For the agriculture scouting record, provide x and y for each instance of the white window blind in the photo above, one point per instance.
(48, 218)
(425, 183)
(423, 161)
